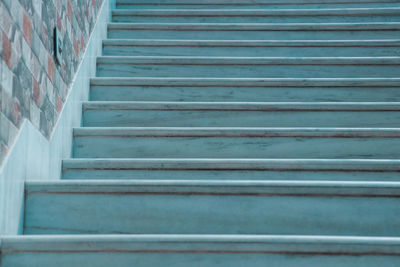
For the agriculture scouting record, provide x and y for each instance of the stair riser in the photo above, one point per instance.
(255, 19)
(252, 35)
(194, 259)
(133, 50)
(248, 5)
(242, 2)
(237, 147)
(230, 118)
(234, 94)
(246, 71)
(188, 213)
(171, 174)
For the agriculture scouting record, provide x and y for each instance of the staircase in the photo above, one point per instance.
(231, 133)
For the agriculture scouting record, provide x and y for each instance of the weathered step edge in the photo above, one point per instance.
(234, 132)
(256, 26)
(330, 245)
(217, 187)
(259, 12)
(254, 2)
(252, 43)
(242, 106)
(200, 60)
(244, 82)
(342, 165)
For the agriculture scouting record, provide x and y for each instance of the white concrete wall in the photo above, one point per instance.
(33, 157)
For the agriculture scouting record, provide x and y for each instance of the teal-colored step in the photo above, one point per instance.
(238, 89)
(385, 14)
(241, 114)
(255, 31)
(199, 5)
(251, 67)
(233, 169)
(253, 4)
(203, 142)
(230, 133)
(213, 207)
(198, 251)
(293, 48)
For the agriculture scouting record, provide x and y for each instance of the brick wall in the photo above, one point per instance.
(32, 85)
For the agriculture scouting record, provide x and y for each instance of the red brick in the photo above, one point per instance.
(45, 36)
(7, 51)
(58, 22)
(27, 29)
(82, 43)
(69, 11)
(87, 9)
(59, 104)
(36, 92)
(76, 46)
(16, 113)
(64, 71)
(50, 69)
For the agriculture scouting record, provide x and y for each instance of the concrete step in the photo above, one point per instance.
(129, 4)
(248, 89)
(212, 207)
(241, 114)
(249, 67)
(233, 169)
(255, 31)
(331, 15)
(316, 184)
(293, 48)
(198, 250)
(203, 142)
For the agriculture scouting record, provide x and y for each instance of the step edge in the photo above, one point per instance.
(208, 2)
(365, 165)
(251, 43)
(218, 187)
(258, 12)
(203, 60)
(256, 26)
(239, 106)
(297, 82)
(247, 243)
(240, 132)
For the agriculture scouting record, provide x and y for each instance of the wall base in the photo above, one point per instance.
(33, 157)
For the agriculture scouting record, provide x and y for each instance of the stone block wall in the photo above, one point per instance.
(32, 85)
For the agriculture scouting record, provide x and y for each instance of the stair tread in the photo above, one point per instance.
(245, 89)
(248, 243)
(256, 106)
(296, 82)
(250, 43)
(259, 15)
(234, 164)
(258, 12)
(260, 31)
(234, 187)
(246, 132)
(224, 2)
(204, 60)
(256, 26)
(213, 207)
